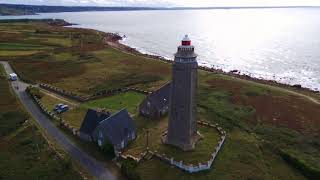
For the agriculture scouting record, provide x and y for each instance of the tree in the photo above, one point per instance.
(108, 149)
(128, 167)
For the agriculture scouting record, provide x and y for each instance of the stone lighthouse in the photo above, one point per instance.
(182, 126)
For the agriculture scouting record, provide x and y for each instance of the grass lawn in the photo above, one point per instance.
(75, 116)
(129, 100)
(201, 153)
(51, 101)
(24, 153)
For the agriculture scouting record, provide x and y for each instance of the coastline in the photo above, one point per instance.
(113, 40)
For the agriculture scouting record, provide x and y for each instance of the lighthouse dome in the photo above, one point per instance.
(186, 38)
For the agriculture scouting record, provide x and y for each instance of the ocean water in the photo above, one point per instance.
(276, 44)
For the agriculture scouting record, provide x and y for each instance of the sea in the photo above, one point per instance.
(281, 44)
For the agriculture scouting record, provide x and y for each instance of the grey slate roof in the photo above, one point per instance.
(117, 126)
(92, 120)
(160, 98)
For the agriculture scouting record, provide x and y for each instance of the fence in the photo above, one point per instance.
(53, 116)
(63, 92)
(191, 168)
(104, 93)
(137, 159)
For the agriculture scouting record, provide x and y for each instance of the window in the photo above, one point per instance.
(99, 142)
(148, 104)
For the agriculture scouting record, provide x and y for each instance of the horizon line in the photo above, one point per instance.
(172, 7)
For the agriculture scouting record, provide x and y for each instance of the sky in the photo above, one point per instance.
(168, 3)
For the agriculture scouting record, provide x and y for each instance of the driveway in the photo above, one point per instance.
(94, 167)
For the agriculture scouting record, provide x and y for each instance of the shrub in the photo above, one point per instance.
(128, 167)
(11, 121)
(108, 150)
(35, 92)
(305, 169)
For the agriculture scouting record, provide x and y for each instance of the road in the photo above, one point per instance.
(94, 167)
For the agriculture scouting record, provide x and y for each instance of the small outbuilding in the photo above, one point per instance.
(90, 122)
(13, 77)
(157, 103)
(118, 130)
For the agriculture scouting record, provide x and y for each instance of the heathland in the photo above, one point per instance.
(273, 130)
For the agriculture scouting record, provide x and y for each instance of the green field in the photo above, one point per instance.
(273, 132)
(129, 100)
(24, 152)
(18, 46)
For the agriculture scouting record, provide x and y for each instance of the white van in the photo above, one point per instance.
(13, 77)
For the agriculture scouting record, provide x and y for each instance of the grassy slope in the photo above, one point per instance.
(261, 120)
(24, 153)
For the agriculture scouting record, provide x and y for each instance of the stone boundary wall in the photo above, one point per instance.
(53, 116)
(191, 168)
(63, 92)
(105, 93)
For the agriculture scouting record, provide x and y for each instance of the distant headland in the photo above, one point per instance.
(21, 9)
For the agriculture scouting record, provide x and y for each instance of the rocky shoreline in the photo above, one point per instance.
(114, 41)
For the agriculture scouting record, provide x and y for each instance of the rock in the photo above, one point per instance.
(234, 71)
(297, 86)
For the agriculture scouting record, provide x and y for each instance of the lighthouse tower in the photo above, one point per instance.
(182, 126)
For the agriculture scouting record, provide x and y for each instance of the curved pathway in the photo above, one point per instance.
(94, 167)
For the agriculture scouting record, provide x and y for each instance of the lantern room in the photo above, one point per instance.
(186, 41)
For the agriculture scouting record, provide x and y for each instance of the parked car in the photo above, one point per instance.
(63, 109)
(58, 106)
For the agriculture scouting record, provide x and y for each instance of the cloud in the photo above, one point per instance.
(168, 2)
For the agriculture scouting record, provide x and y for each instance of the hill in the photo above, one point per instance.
(5, 11)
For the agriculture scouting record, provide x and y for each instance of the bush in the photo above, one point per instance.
(108, 149)
(11, 121)
(35, 92)
(128, 167)
(305, 169)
